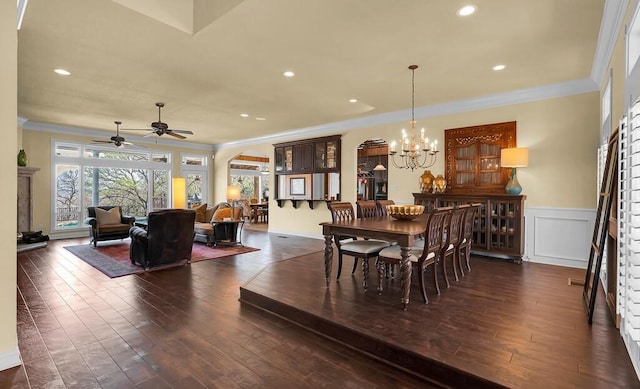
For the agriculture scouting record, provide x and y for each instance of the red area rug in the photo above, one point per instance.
(112, 258)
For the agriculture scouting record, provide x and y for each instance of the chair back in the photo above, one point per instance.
(469, 218)
(455, 226)
(170, 235)
(382, 206)
(341, 211)
(367, 208)
(91, 211)
(434, 231)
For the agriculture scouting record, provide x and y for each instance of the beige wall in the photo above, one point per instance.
(37, 145)
(8, 175)
(561, 134)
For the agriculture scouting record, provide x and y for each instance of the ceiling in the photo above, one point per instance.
(211, 60)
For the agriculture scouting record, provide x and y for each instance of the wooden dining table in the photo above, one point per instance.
(404, 232)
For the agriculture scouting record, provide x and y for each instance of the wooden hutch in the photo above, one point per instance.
(474, 175)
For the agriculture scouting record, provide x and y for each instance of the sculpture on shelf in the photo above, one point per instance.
(439, 184)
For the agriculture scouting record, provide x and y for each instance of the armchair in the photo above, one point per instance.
(108, 223)
(168, 238)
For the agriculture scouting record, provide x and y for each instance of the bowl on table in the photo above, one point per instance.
(405, 212)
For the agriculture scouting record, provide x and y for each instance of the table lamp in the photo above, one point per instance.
(514, 158)
(233, 195)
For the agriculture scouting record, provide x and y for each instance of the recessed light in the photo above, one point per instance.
(62, 72)
(467, 10)
(244, 115)
(353, 100)
(499, 67)
(259, 118)
(289, 73)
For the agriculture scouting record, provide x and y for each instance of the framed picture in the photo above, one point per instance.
(297, 186)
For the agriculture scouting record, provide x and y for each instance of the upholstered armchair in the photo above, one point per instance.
(108, 223)
(168, 238)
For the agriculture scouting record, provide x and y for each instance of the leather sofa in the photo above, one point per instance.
(102, 229)
(168, 238)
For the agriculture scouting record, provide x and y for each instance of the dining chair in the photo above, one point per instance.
(367, 208)
(382, 206)
(348, 245)
(466, 241)
(422, 255)
(453, 236)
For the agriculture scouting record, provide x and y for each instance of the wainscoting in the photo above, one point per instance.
(558, 236)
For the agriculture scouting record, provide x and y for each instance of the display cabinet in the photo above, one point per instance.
(499, 226)
(472, 157)
(307, 170)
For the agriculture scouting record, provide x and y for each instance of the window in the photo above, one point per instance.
(90, 175)
(194, 170)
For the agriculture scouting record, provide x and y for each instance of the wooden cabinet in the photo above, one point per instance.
(472, 157)
(499, 226)
(313, 165)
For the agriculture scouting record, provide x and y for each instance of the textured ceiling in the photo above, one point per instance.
(217, 59)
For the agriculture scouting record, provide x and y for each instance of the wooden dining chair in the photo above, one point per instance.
(464, 247)
(352, 246)
(382, 206)
(424, 254)
(453, 235)
(367, 208)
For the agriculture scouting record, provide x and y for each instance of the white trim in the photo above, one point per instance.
(10, 359)
(562, 89)
(86, 132)
(558, 236)
(22, 9)
(612, 18)
(21, 121)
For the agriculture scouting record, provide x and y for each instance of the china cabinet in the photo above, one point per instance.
(472, 157)
(499, 226)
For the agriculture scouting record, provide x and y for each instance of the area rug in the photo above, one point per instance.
(112, 258)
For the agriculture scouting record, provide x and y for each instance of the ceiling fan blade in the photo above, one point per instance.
(102, 141)
(135, 129)
(180, 131)
(152, 133)
(176, 135)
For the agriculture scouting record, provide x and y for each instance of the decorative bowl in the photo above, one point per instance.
(405, 212)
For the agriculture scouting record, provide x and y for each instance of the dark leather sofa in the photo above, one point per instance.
(168, 238)
(111, 231)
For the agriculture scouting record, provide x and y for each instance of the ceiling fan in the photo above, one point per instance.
(160, 128)
(116, 140)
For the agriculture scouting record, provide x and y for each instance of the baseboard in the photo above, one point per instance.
(10, 359)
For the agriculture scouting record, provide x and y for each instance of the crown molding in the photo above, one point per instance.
(612, 18)
(85, 132)
(520, 96)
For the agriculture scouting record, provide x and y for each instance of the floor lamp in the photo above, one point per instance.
(179, 192)
(233, 195)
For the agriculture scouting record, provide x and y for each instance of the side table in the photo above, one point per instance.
(227, 232)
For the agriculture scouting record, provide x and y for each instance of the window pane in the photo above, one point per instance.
(125, 187)
(160, 189)
(162, 158)
(91, 152)
(67, 208)
(64, 150)
(194, 189)
(194, 160)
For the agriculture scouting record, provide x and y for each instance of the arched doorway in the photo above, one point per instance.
(250, 172)
(372, 170)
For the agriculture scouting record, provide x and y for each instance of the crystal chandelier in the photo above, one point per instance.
(415, 150)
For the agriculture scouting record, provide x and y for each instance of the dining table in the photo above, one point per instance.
(258, 209)
(404, 232)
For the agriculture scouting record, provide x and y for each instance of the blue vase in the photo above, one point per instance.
(513, 186)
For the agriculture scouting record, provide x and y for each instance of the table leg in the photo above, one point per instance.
(406, 268)
(328, 257)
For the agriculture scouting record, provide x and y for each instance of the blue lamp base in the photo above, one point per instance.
(513, 186)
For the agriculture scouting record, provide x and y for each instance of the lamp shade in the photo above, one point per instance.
(179, 192)
(514, 157)
(233, 192)
(379, 167)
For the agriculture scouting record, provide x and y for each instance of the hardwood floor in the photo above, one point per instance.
(521, 326)
(177, 328)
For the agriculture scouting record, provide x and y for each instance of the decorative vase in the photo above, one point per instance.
(426, 182)
(22, 158)
(439, 184)
(513, 186)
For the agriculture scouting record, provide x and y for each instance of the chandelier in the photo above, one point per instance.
(415, 150)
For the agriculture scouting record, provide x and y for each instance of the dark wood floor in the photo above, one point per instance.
(177, 328)
(519, 325)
